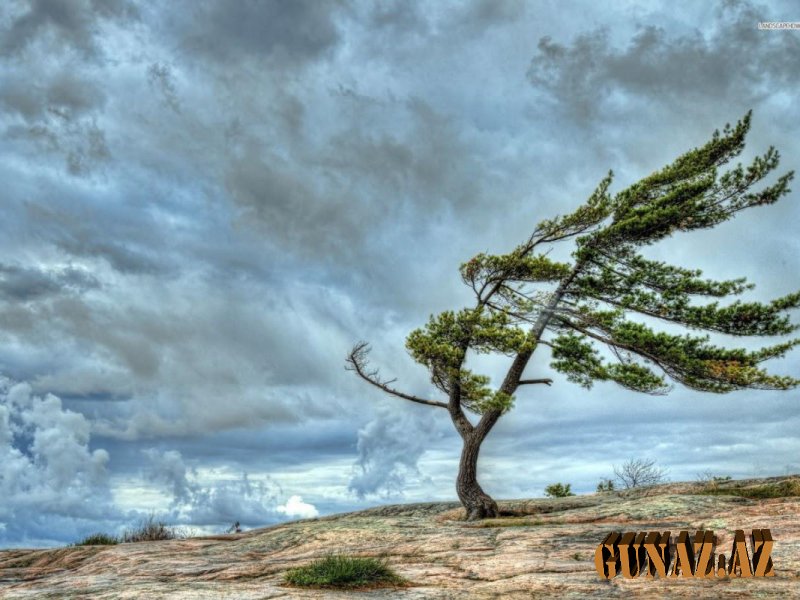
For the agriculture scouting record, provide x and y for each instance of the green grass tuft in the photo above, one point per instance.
(148, 530)
(98, 539)
(337, 571)
(152, 530)
(785, 489)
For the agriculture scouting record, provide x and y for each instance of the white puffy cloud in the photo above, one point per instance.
(295, 507)
(50, 479)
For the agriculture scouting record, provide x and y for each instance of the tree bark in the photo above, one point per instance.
(478, 504)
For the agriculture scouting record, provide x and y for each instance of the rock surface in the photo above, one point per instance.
(546, 551)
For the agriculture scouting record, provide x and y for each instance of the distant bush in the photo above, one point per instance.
(605, 485)
(337, 571)
(148, 530)
(711, 482)
(98, 539)
(708, 477)
(151, 530)
(785, 489)
(558, 490)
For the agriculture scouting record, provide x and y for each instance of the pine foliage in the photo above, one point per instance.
(609, 294)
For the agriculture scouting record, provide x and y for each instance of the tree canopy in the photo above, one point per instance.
(609, 281)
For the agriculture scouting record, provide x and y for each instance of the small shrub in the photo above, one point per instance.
(98, 539)
(577, 556)
(558, 490)
(151, 530)
(337, 571)
(605, 485)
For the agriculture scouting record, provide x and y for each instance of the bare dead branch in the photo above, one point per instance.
(357, 362)
(532, 381)
(640, 473)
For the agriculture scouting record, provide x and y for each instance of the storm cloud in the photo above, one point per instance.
(206, 204)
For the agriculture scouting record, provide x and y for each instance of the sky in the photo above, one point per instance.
(206, 204)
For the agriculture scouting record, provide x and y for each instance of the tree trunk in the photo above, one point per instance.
(478, 504)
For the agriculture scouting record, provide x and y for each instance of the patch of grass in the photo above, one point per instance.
(338, 571)
(148, 530)
(577, 556)
(98, 539)
(152, 530)
(785, 489)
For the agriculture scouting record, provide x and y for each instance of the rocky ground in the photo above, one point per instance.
(545, 551)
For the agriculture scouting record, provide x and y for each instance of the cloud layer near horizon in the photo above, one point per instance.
(206, 204)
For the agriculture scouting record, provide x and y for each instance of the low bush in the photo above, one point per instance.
(337, 571)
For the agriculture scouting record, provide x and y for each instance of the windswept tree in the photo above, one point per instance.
(596, 314)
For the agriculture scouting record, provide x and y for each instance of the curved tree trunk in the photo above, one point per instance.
(478, 504)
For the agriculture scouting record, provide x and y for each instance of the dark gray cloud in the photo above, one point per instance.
(52, 98)
(161, 78)
(361, 179)
(728, 59)
(21, 284)
(398, 16)
(484, 14)
(61, 24)
(65, 95)
(282, 30)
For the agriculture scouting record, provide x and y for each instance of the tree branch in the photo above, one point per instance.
(532, 381)
(460, 420)
(357, 361)
(614, 345)
(514, 373)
